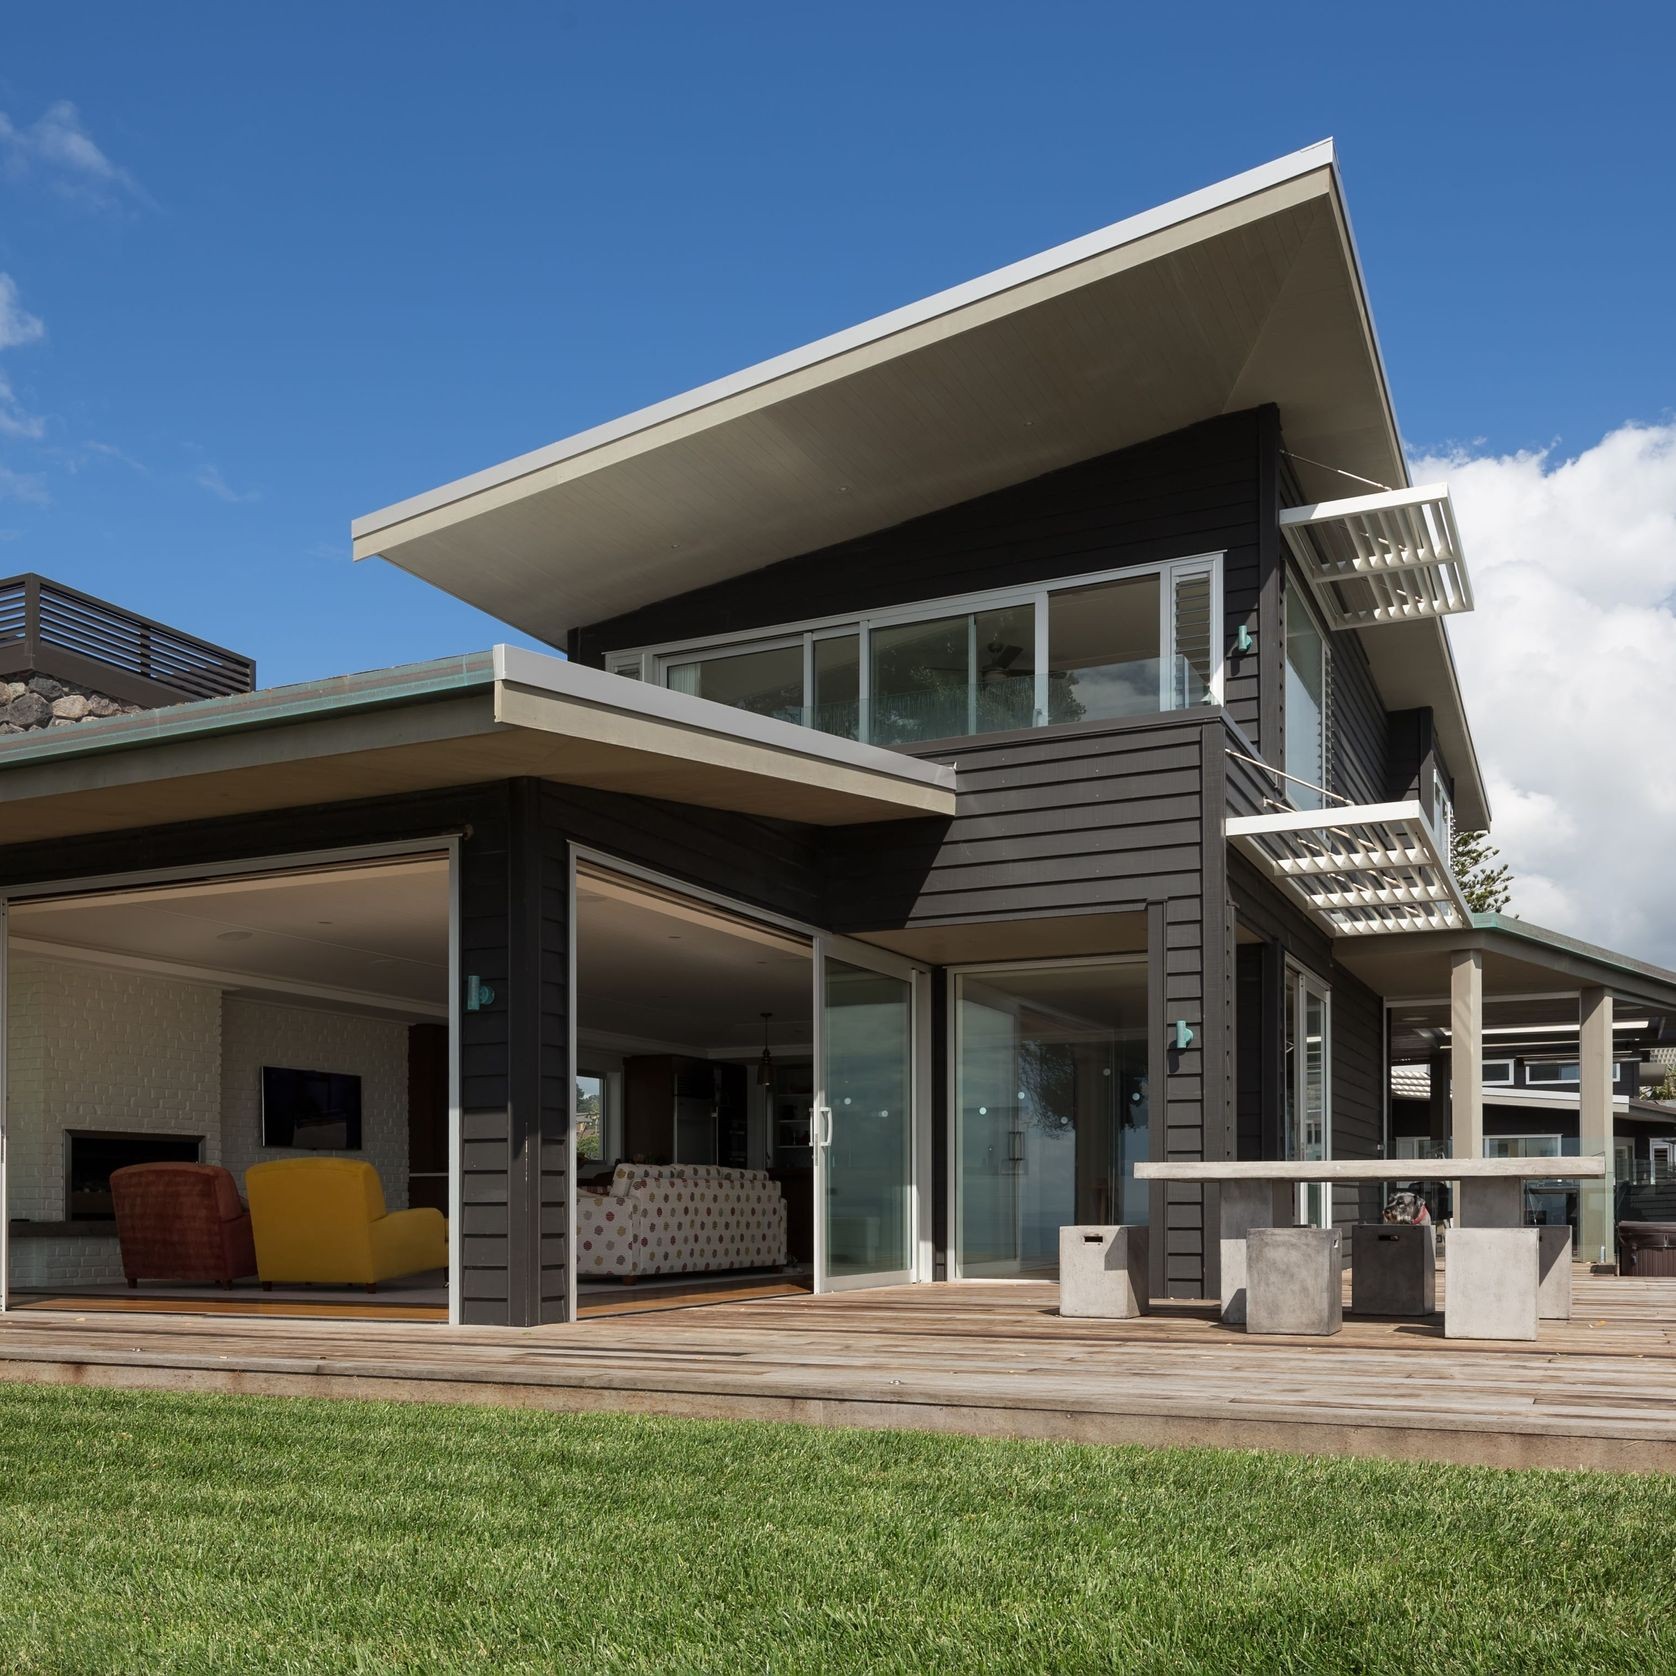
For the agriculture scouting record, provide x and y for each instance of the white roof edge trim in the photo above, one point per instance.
(1216, 196)
(558, 677)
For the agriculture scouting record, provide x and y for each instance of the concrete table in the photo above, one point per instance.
(1263, 1194)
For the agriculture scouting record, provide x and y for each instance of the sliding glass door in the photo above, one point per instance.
(864, 1122)
(1052, 1109)
(1308, 1088)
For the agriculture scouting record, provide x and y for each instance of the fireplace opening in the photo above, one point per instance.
(91, 1154)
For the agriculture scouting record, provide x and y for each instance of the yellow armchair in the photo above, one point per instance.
(323, 1220)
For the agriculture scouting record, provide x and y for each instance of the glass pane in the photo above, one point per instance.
(590, 1117)
(921, 680)
(1190, 678)
(869, 1165)
(1052, 1110)
(1306, 708)
(767, 683)
(1006, 654)
(835, 706)
(1103, 654)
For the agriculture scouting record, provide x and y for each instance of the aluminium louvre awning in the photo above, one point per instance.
(1359, 870)
(1394, 557)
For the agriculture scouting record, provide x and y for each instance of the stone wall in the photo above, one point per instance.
(40, 701)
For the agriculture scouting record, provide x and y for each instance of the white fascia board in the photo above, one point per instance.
(364, 530)
(1313, 820)
(519, 667)
(1356, 504)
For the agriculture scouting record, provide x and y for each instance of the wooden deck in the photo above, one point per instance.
(1598, 1391)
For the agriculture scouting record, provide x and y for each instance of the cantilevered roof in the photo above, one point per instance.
(1522, 963)
(457, 721)
(1244, 293)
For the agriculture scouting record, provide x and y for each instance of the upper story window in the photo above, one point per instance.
(1553, 1072)
(1089, 648)
(1306, 703)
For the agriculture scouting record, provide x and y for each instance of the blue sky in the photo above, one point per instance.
(325, 256)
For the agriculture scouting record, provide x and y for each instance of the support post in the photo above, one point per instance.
(1466, 1054)
(1597, 1235)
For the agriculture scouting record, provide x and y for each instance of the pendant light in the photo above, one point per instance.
(765, 1065)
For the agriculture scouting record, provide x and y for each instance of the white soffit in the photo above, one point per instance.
(1372, 560)
(1245, 293)
(1362, 870)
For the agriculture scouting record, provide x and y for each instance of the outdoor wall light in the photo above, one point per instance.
(1181, 1035)
(1242, 640)
(478, 995)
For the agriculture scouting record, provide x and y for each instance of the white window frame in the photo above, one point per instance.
(653, 662)
(1497, 1082)
(1301, 983)
(1533, 1135)
(1297, 593)
(1532, 1066)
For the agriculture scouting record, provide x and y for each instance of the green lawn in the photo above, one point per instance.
(142, 1533)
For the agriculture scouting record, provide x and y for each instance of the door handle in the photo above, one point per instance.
(823, 1126)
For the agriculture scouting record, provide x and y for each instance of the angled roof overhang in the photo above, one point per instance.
(1244, 293)
(460, 721)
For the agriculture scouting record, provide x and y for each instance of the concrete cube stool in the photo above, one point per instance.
(1393, 1268)
(1553, 1284)
(1490, 1283)
(1293, 1281)
(1103, 1273)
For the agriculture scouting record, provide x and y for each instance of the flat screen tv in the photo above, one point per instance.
(317, 1110)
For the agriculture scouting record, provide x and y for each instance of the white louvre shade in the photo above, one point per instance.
(1360, 870)
(1394, 557)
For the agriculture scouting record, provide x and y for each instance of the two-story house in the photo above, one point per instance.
(1003, 741)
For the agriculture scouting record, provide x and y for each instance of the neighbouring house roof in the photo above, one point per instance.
(455, 721)
(1245, 293)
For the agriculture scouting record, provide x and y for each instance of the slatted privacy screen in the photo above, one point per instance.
(1386, 558)
(1361, 870)
(45, 616)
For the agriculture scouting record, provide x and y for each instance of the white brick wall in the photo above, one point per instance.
(258, 1033)
(71, 1260)
(94, 1048)
(97, 1048)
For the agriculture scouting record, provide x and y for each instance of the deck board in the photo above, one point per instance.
(995, 1359)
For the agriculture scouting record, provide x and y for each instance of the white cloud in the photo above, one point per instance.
(1568, 667)
(28, 488)
(57, 148)
(209, 477)
(17, 324)
(14, 420)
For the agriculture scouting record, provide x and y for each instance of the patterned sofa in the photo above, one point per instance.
(680, 1219)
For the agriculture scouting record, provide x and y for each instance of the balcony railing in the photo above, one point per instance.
(48, 628)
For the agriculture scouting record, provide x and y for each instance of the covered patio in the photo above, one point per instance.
(989, 1359)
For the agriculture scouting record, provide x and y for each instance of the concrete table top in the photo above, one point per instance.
(1378, 1169)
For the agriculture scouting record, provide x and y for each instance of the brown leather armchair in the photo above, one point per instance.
(182, 1222)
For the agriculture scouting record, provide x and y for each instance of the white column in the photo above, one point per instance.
(1596, 1234)
(1466, 1055)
